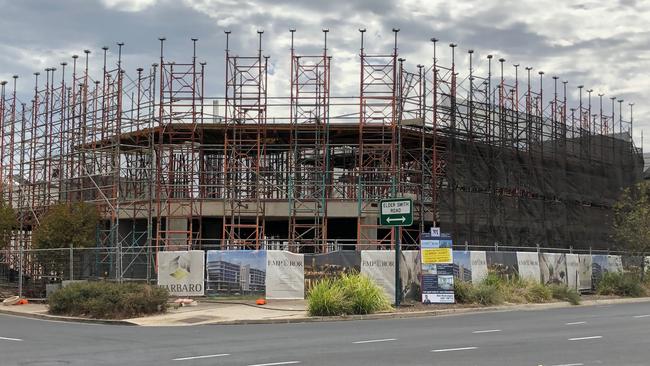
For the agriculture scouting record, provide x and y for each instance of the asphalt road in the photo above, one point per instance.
(597, 335)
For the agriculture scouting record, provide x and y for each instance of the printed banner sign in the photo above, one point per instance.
(553, 268)
(236, 272)
(410, 269)
(462, 266)
(285, 275)
(584, 272)
(528, 264)
(572, 269)
(614, 263)
(330, 265)
(478, 262)
(437, 270)
(598, 268)
(379, 265)
(182, 272)
(503, 263)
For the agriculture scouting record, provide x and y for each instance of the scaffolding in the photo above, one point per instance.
(309, 150)
(496, 158)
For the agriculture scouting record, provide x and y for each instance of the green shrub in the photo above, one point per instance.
(493, 279)
(108, 300)
(564, 293)
(463, 292)
(348, 294)
(514, 290)
(621, 284)
(538, 293)
(326, 298)
(487, 294)
(362, 294)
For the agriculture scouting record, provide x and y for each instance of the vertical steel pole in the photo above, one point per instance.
(71, 263)
(398, 282)
(20, 271)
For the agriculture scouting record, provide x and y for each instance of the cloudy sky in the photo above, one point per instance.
(604, 45)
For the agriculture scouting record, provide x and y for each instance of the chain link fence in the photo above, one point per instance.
(31, 272)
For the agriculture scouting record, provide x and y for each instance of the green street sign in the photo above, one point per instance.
(396, 212)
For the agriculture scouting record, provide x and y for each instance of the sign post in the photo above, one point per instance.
(397, 212)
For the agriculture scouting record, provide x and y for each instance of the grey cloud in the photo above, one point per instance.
(34, 31)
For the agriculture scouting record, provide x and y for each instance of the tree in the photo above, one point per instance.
(64, 226)
(8, 222)
(632, 222)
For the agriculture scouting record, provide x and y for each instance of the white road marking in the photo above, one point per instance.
(11, 339)
(570, 364)
(375, 341)
(575, 323)
(454, 349)
(642, 316)
(199, 357)
(276, 363)
(585, 338)
(486, 331)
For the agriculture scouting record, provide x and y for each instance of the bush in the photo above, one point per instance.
(493, 279)
(495, 289)
(538, 293)
(108, 300)
(487, 294)
(514, 290)
(348, 294)
(464, 292)
(621, 284)
(564, 293)
(326, 298)
(363, 295)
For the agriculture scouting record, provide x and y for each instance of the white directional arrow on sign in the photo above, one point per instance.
(400, 219)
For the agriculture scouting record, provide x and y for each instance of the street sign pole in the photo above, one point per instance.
(397, 212)
(398, 279)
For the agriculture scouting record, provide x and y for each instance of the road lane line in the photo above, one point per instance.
(276, 363)
(570, 364)
(454, 349)
(575, 323)
(585, 338)
(375, 340)
(642, 316)
(11, 339)
(200, 357)
(486, 331)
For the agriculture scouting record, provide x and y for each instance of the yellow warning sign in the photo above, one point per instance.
(436, 255)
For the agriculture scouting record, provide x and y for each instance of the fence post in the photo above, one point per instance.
(466, 246)
(537, 245)
(20, 271)
(496, 246)
(570, 249)
(71, 263)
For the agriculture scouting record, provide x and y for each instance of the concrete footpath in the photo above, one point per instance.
(283, 311)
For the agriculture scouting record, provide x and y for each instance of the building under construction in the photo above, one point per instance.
(488, 158)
